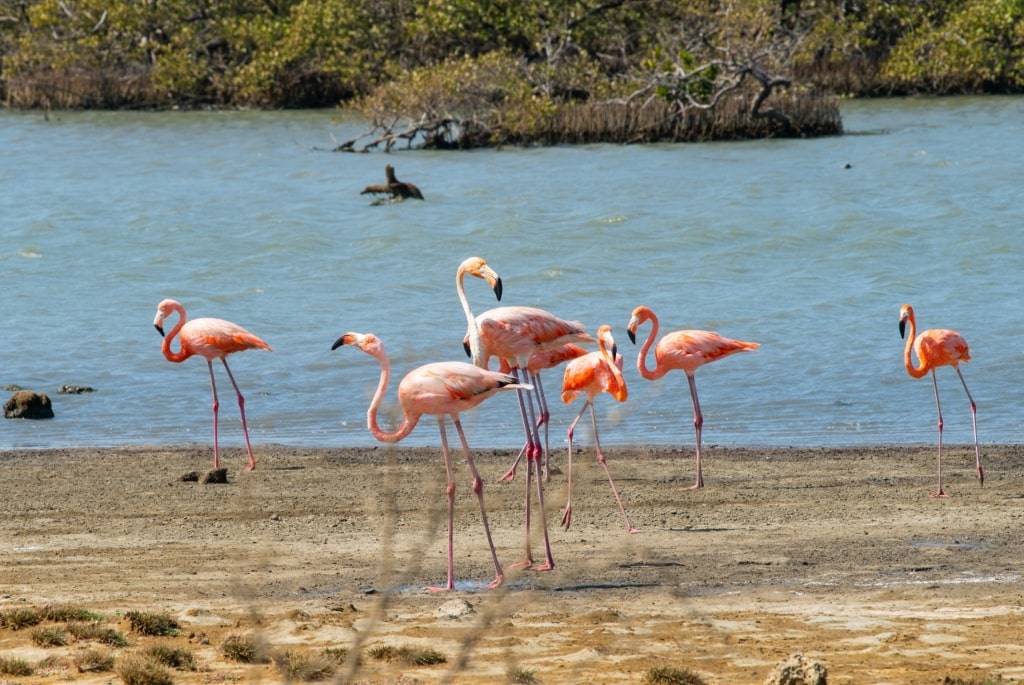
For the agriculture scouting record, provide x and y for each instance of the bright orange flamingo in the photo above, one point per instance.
(591, 375)
(539, 362)
(514, 334)
(210, 339)
(935, 348)
(440, 389)
(686, 351)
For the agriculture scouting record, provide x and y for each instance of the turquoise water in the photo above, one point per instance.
(806, 246)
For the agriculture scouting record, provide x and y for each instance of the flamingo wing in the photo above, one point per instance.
(689, 350)
(449, 387)
(941, 347)
(217, 338)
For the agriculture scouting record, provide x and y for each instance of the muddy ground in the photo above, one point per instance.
(838, 554)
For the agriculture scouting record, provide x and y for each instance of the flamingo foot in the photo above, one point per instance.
(696, 486)
(525, 563)
(632, 531)
(546, 566)
(437, 588)
(510, 475)
(939, 493)
(496, 582)
(251, 467)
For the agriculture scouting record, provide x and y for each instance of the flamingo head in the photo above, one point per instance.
(906, 314)
(476, 266)
(367, 342)
(163, 310)
(604, 337)
(640, 314)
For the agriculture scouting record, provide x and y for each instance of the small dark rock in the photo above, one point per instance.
(73, 389)
(25, 404)
(190, 477)
(217, 476)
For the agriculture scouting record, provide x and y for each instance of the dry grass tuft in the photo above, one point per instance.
(520, 676)
(172, 657)
(15, 667)
(50, 636)
(81, 630)
(305, 667)
(672, 676)
(244, 649)
(94, 660)
(19, 618)
(152, 623)
(409, 656)
(138, 670)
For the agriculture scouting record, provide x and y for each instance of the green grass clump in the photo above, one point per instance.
(407, 655)
(94, 661)
(672, 676)
(15, 667)
(19, 618)
(152, 623)
(173, 657)
(304, 667)
(137, 670)
(81, 630)
(520, 676)
(49, 636)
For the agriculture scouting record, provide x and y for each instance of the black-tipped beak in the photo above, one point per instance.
(339, 342)
(903, 327)
(497, 288)
(632, 336)
(159, 329)
(615, 351)
(467, 348)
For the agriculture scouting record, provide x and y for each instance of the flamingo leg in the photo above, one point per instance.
(549, 561)
(604, 462)
(450, 490)
(241, 409)
(938, 406)
(974, 425)
(567, 514)
(511, 473)
(533, 457)
(216, 406)
(478, 488)
(698, 424)
(528, 559)
(543, 419)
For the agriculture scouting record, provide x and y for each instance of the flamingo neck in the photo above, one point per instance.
(618, 390)
(475, 346)
(921, 369)
(408, 421)
(182, 354)
(641, 359)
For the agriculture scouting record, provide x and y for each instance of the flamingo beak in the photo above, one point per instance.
(160, 330)
(631, 329)
(903, 328)
(497, 287)
(467, 348)
(343, 340)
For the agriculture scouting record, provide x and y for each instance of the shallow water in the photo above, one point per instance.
(806, 246)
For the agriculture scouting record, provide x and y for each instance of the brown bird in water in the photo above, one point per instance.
(397, 189)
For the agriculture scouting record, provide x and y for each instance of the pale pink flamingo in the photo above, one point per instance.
(514, 334)
(935, 348)
(591, 375)
(210, 339)
(440, 389)
(686, 351)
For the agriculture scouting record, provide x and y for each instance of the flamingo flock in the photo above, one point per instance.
(526, 341)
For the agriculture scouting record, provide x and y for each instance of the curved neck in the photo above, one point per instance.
(165, 347)
(916, 371)
(475, 347)
(408, 422)
(641, 360)
(618, 391)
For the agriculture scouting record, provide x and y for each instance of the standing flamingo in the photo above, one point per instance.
(934, 348)
(514, 334)
(210, 339)
(687, 351)
(593, 374)
(439, 389)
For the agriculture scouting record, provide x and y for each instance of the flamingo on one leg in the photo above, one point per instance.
(686, 351)
(593, 374)
(440, 389)
(210, 339)
(514, 334)
(935, 348)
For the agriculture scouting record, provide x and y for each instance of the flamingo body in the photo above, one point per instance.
(210, 339)
(439, 389)
(592, 374)
(686, 351)
(934, 348)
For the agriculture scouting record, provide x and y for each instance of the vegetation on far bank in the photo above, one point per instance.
(465, 73)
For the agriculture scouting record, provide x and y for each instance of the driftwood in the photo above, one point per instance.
(398, 190)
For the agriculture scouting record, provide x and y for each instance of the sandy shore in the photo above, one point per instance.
(838, 554)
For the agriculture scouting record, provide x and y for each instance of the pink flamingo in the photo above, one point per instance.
(439, 389)
(538, 362)
(514, 334)
(591, 375)
(935, 348)
(210, 339)
(687, 351)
